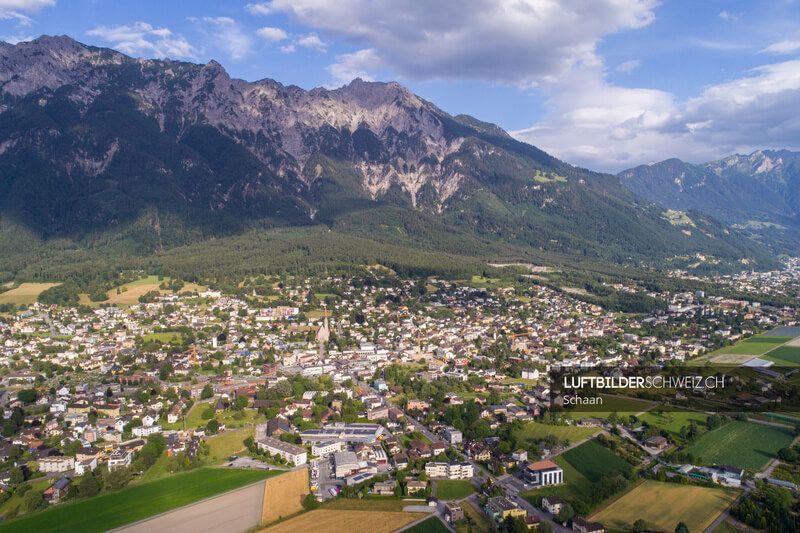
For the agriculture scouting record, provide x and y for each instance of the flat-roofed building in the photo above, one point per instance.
(56, 464)
(367, 433)
(324, 449)
(345, 463)
(544, 473)
(449, 470)
(500, 508)
(290, 452)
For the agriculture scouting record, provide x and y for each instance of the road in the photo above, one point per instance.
(233, 512)
(46, 317)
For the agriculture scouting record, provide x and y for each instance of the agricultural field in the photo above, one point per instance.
(283, 495)
(383, 504)
(664, 505)
(743, 444)
(536, 430)
(130, 292)
(453, 489)
(758, 345)
(593, 460)
(115, 509)
(612, 404)
(223, 446)
(25, 294)
(431, 525)
(784, 356)
(672, 420)
(350, 521)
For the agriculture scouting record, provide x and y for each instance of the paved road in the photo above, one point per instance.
(232, 512)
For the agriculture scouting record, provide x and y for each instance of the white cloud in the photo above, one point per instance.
(14, 39)
(724, 15)
(311, 40)
(229, 36)
(22, 20)
(784, 47)
(355, 65)
(628, 66)
(28, 6)
(506, 41)
(272, 35)
(606, 127)
(143, 38)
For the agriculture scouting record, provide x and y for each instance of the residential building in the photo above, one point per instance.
(499, 508)
(119, 459)
(56, 464)
(452, 435)
(453, 512)
(581, 525)
(289, 452)
(449, 469)
(552, 504)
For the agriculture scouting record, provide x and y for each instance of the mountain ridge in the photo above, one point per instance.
(99, 148)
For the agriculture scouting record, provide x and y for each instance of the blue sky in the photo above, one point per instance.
(606, 84)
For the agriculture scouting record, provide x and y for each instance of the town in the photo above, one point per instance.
(433, 394)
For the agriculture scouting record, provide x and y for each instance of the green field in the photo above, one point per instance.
(25, 294)
(612, 404)
(223, 446)
(593, 460)
(536, 430)
(663, 505)
(784, 356)
(115, 509)
(742, 444)
(431, 525)
(672, 421)
(753, 346)
(453, 489)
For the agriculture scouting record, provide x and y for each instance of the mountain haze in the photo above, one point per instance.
(758, 193)
(103, 152)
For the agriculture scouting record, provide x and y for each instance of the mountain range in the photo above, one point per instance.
(101, 153)
(759, 193)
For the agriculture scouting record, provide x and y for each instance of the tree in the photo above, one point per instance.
(212, 426)
(545, 527)
(208, 413)
(16, 476)
(681, 528)
(310, 502)
(88, 486)
(208, 392)
(240, 403)
(566, 513)
(33, 500)
(118, 478)
(639, 526)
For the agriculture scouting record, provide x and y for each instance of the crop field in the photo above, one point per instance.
(115, 509)
(134, 289)
(453, 489)
(593, 461)
(25, 294)
(672, 421)
(378, 503)
(754, 345)
(536, 430)
(784, 356)
(283, 495)
(350, 521)
(742, 444)
(664, 505)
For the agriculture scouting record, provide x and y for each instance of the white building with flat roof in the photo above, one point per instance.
(290, 452)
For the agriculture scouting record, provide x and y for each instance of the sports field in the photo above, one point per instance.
(743, 444)
(453, 489)
(26, 293)
(350, 521)
(115, 509)
(664, 505)
(283, 495)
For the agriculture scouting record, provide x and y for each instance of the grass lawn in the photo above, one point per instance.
(742, 444)
(350, 521)
(26, 293)
(673, 421)
(162, 336)
(223, 446)
(453, 489)
(158, 470)
(536, 430)
(115, 509)
(431, 525)
(480, 524)
(785, 356)
(663, 505)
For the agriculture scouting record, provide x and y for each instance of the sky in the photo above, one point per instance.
(604, 84)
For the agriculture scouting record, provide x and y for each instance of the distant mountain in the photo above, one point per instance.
(103, 152)
(757, 193)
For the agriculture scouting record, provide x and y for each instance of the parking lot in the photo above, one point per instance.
(249, 462)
